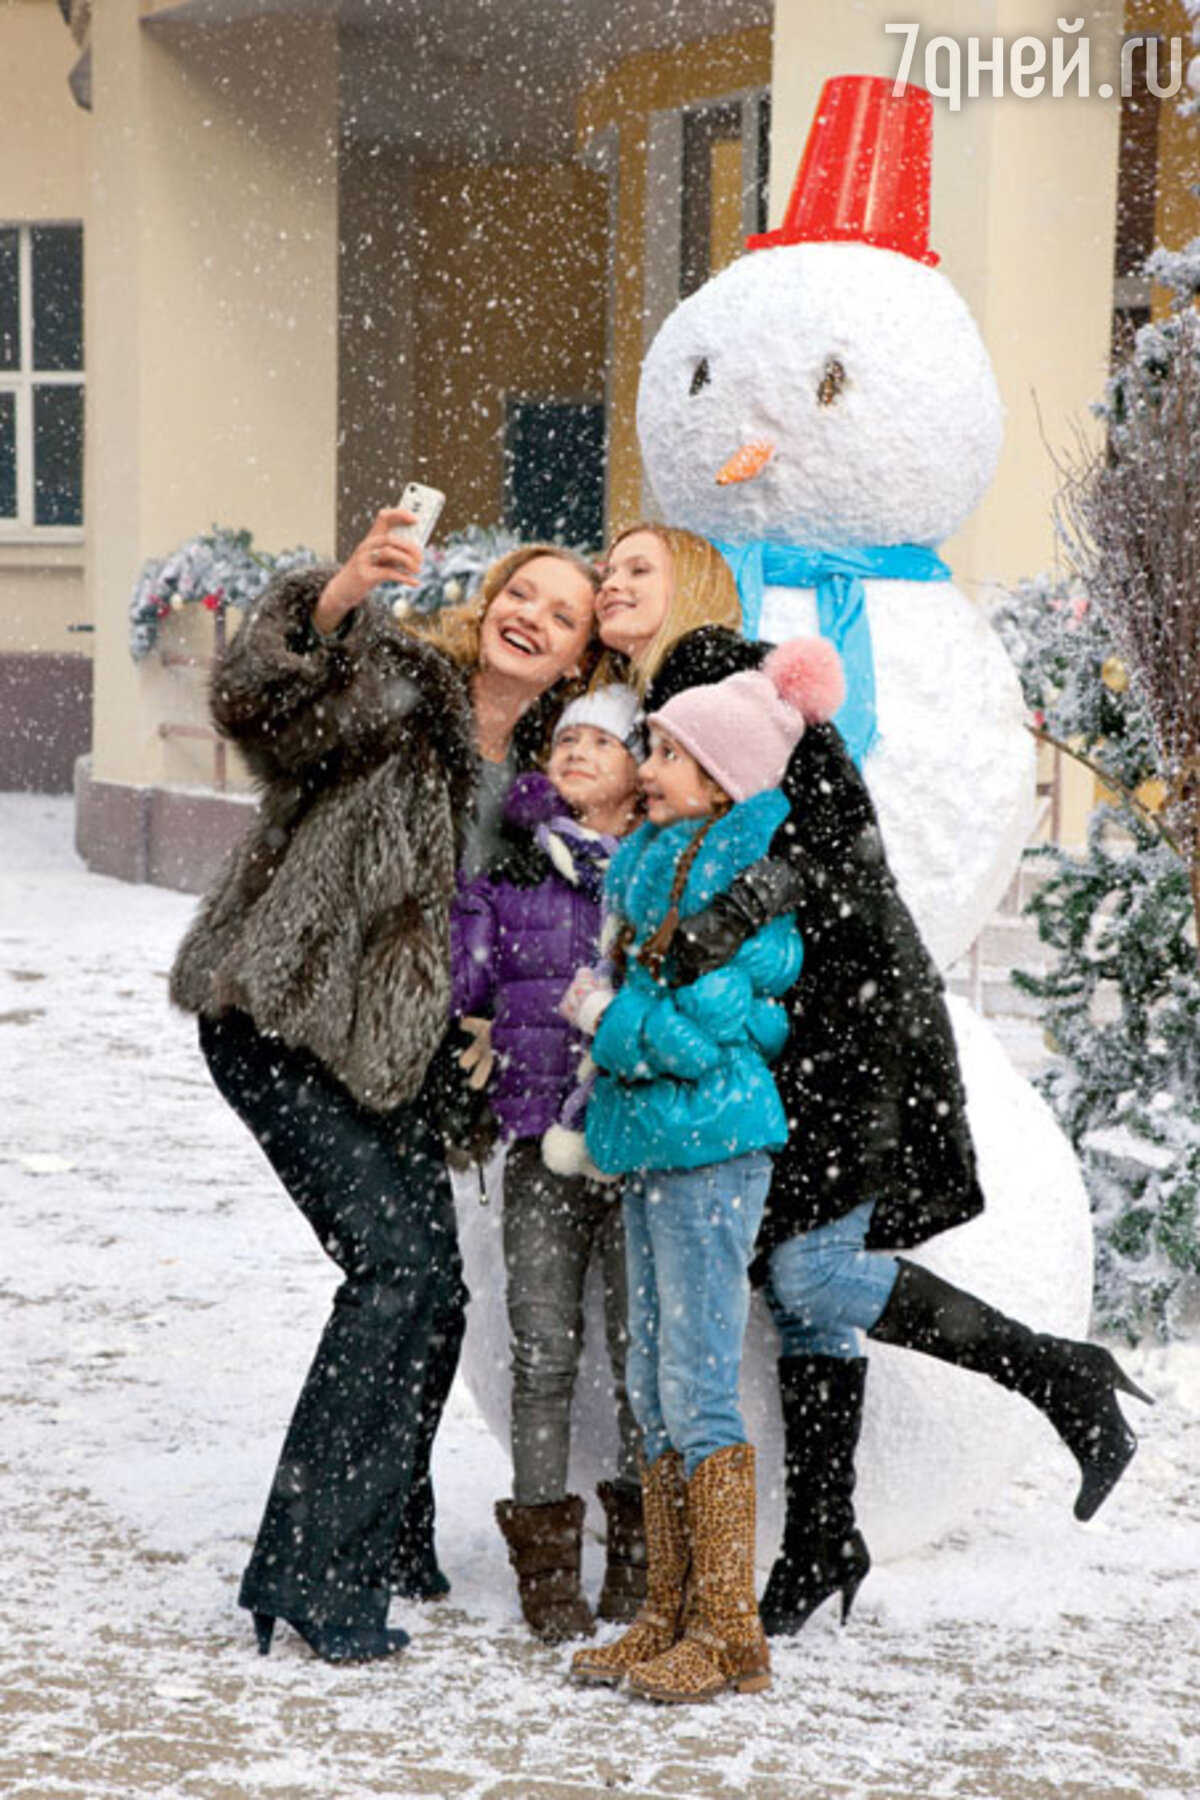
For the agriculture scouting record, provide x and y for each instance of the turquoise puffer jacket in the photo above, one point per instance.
(683, 1078)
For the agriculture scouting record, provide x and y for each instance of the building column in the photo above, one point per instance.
(211, 283)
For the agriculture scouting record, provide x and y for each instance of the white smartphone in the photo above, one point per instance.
(427, 504)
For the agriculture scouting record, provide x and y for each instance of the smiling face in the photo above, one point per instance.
(537, 627)
(636, 586)
(594, 773)
(824, 394)
(674, 785)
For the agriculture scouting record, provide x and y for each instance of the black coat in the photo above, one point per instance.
(869, 1076)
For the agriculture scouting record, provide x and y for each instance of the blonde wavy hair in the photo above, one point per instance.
(703, 592)
(456, 630)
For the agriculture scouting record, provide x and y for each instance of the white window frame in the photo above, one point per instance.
(21, 382)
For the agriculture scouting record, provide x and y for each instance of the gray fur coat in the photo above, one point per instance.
(329, 924)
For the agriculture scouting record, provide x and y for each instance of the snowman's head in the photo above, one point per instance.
(858, 376)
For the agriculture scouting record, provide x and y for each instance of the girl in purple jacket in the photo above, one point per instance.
(519, 933)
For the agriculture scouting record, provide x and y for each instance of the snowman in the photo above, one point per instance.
(825, 411)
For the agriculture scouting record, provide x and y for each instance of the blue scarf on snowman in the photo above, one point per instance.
(837, 576)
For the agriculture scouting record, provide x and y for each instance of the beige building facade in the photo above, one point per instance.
(328, 249)
(45, 658)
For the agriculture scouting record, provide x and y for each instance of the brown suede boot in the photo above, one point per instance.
(624, 1586)
(723, 1645)
(658, 1623)
(544, 1547)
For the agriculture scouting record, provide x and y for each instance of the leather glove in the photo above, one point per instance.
(478, 1059)
(709, 939)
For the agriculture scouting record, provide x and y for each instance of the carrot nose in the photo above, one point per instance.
(746, 463)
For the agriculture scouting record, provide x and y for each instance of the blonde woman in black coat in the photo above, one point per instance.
(319, 968)
(880, 1158)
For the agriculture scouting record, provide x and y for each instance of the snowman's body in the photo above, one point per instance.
(937, 1442)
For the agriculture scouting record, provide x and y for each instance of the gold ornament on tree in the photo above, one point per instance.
(1152, 794)
(1114, 675)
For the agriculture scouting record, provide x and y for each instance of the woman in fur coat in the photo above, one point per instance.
(881, 1156)
(319, 968)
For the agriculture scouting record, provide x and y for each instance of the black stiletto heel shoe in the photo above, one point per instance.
(801, 1582)
(1126, 1383)
(1075, 1384)
(1092, 1424)
(334, 1643)
(823, 1552)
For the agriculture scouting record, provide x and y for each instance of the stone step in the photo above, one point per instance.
(1029, 877)
(1024, 1043)
(1008, 941)
(994, 995)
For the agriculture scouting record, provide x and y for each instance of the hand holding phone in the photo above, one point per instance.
(391, 551)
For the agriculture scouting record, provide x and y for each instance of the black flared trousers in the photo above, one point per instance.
(355, 1462)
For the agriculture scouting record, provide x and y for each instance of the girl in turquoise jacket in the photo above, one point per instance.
(684, 1080)
(686, 1112)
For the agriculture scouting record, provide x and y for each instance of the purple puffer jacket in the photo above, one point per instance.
(518, 934)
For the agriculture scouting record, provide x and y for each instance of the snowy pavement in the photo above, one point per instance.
(159, 1300)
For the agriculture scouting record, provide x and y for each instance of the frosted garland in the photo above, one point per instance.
(1122, 1000)
(215, 570)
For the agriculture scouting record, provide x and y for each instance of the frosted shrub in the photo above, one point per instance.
(1110, 669)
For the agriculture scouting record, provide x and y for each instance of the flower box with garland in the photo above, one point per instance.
(216, 570)
(220, 571)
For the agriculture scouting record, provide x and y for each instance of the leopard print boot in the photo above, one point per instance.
(723, 1645)
(657, 1624)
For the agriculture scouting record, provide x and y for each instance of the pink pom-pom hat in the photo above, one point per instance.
(743, 730)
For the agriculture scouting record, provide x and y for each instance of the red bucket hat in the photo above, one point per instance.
(865, 174)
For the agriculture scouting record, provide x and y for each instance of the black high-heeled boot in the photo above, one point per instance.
(823, 1552)
(1073, 1383)
(334, 1643)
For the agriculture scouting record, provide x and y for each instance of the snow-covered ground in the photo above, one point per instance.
(159, 1299)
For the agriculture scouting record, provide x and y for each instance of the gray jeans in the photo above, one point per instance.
(553, 1226)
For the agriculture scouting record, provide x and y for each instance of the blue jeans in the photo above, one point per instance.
(823, 1287)
(689, 1239)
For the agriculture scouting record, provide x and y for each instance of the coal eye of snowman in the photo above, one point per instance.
(832, 381)
(700, 376)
